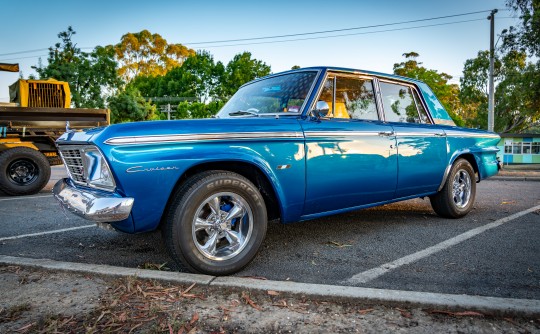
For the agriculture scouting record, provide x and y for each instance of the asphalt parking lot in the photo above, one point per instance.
(403, 246)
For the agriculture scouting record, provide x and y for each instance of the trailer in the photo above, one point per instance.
(30, 123)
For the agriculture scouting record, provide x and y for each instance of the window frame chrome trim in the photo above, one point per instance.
(356, 75)
(414, 87)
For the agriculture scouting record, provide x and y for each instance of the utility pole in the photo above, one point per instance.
(491, 98)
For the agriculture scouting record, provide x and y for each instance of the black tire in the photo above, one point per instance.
(456, 198)
(24, 171)
(236, 241)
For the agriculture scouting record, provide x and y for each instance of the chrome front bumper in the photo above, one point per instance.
(92, 205)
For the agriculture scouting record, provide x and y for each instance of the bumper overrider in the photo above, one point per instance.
(92, 205)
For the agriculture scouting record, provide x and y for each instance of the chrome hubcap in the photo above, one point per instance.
(461, 188)
(222, 226)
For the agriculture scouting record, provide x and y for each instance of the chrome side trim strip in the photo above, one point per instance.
(314, 134)
(134, 140)
(420, 134)
(471, 135)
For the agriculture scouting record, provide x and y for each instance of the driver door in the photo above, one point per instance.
(351, 154)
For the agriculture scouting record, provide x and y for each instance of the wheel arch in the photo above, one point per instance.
(467, 155)
(253, 172)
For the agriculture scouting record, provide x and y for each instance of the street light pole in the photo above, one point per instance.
(491, 98)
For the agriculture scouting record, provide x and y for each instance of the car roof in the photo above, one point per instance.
(360, 71)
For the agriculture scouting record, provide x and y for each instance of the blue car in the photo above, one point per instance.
(288, 147)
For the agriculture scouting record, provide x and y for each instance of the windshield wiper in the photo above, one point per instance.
(243, 113)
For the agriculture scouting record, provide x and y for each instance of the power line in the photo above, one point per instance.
(35, 50)
(293, 40)
(336, 30)
(343, 35)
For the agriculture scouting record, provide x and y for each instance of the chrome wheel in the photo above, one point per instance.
(222, 226)
(461, 188)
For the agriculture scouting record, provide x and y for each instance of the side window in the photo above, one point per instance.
(350, 97)
(399, 104)
(421, 110)
(355, 99)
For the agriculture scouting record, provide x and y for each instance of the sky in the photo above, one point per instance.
(444, 46)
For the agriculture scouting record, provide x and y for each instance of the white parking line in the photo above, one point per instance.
(48, 232)
(23, 197)
(374, 273)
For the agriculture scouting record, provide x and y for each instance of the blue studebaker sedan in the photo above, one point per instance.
(291, 146)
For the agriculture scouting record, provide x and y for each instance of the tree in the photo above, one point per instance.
(241, 69)
(129, 106)
(91, 76)
(198, 77)
(515, 105)
(438, 82)
(527, 36)
(148, 54)
(197, 109)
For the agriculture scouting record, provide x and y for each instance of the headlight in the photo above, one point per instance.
(97, 172)
(86, 166)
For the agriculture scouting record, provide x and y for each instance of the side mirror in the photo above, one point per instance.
(321, 109)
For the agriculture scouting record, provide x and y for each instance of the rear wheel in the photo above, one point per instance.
(456, 198)
(25, 171)
(216, 223)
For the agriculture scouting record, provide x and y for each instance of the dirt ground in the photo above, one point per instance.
(37, 301)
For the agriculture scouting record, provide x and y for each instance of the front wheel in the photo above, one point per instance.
(456, 198)
(216, 223)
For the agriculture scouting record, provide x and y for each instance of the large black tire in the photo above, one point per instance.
(23, 171)
(197, 231)
(456, 198)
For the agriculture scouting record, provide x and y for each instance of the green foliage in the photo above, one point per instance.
(525, 37)
(241, 69)
(516, 104)
(130, 106)
(438, 82)
(201, 78)
(188, 110)
(148, 54)
(89, 75)
(525, 84)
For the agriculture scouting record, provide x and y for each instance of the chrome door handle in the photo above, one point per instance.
(386, 133)
(440, 134)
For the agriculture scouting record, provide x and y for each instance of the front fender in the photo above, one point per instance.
(149, 173)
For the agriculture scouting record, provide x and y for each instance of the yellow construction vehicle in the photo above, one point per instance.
(30, 123)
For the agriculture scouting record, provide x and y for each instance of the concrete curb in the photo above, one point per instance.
(488, 305)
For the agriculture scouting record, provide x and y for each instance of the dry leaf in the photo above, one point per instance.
(273, 293)
(457, 314)
(366, 311)
(250, 302)
(404, 313)
(337, 244)
(194, 318)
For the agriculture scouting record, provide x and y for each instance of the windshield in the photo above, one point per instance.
(280, 94)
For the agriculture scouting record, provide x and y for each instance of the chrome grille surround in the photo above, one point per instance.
(74, 160)
(72, 156)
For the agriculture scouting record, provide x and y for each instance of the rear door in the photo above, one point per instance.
(421, 144)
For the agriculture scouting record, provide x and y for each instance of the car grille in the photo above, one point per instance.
(74, 163)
